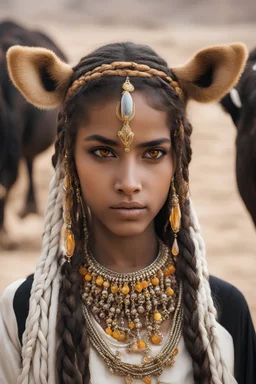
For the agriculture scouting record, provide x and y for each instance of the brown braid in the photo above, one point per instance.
(73, 349)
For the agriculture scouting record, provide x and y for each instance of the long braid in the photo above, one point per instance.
(73, 342)
(35, 339)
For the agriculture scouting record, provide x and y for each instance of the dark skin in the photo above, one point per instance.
(113, 182)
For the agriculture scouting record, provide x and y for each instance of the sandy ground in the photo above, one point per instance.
(226, 226)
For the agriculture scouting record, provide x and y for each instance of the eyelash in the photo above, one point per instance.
(162, 151)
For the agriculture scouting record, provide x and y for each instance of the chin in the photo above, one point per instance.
(128, 229)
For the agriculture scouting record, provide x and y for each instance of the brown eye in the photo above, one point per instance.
(103, 153)
(154, 154)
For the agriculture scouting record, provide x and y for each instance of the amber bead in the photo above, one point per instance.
(131, 325)
(122, 337)
(125, 289)
(156, 339)
(134, 348)
(169, 291)
(114, 289)
(106, 284)
(68, 203)
(88, 277)
(175, 248)
(145, 284)
(138, 287)
(171, 268)
(157, 316)
(155, 281)
(147, 380)
(82, 270)
(69, 242)
(175, 352)
(116, 334)
(166, 272)
(108, 331)
(175, 216)
(99, 281)
(141, 344)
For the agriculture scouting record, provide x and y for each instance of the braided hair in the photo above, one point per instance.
(199, 330)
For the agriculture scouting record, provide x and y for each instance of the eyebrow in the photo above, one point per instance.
(107, 141)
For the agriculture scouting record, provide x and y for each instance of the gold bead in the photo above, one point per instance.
(69, 242)
(138, 287)
(145, 284)
(88, 277)
(141, 344)
(155, 281)
(156, 339)
(116, 334)
(171, 268)
(114, 289)
(82, 270)
(125, 289)
(147, 380)
(99, 281)
(131, 325)
(106, 284)
(108, 331)
(175, 352)
(122, 336)
(157, 316)
(169, 291)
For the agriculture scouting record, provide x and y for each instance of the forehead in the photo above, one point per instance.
(148, 123)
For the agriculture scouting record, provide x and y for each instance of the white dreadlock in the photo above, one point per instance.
(39, 338)
(206, 309)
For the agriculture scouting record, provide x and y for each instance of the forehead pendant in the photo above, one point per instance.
(125, 111)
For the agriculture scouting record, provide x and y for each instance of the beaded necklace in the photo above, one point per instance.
(126, 302)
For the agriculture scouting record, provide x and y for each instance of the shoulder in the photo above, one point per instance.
(228, 299)
(235, 317)
(14, 304)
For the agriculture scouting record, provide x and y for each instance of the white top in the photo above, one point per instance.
(10, 351)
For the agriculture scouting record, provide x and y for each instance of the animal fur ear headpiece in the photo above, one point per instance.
(44, 79)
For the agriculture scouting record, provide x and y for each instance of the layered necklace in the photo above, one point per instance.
(127, 303)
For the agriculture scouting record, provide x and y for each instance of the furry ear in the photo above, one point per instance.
(40, 76)
(212, 72)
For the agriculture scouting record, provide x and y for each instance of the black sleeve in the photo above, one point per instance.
(234, 316)
(21, 304)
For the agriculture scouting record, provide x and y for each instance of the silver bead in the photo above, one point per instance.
(141, 309)
(118, 310)
(133, 311)
(105, 294)
(102, 315)
(133, 296)
(106, 306)
(138, 326)
(112, 310)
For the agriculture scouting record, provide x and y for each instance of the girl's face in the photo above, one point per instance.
(124, 191)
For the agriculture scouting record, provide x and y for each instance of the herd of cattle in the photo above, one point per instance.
(26, 131)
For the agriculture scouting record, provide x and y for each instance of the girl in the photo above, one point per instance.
(130, 299)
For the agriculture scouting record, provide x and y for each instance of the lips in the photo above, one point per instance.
(129, 211)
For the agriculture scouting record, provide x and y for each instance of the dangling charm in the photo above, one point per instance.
(175, 219)
(125, 112)
(69, 239)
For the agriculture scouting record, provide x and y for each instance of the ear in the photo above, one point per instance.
(40, 76)
(212, 72)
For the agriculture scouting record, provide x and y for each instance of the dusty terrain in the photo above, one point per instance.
(227, 228)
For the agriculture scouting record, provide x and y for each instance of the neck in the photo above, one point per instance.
(124, 253)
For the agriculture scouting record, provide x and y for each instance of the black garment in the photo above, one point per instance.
(234, 316)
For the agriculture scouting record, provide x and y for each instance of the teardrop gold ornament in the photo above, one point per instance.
(175, 248)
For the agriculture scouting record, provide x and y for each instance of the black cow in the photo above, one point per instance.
(240, 103)
(24, 130)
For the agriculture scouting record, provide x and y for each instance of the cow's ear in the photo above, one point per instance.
(40, 76)
(212, 72)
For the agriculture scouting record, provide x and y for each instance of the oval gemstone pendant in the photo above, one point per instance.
(126, 106)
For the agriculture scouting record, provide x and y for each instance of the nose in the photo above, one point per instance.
(128, 180)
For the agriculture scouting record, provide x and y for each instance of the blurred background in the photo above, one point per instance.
(176, 30)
